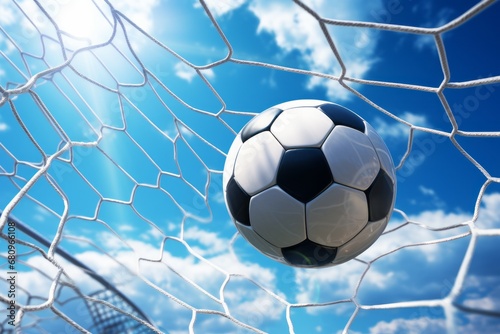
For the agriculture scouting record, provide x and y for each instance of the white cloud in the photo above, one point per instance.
(218, 197)
(469, 323)
(211, 243)
(269, 81)
(425, 41)
(188, 73)
(426, 191)
(416, 119)
(410, 326)
(125, 228)
(176, 275)
(184, 71)
(478, 324)
(221, 7)
(24, 31)
(440, 218)
(481, 292)
(413, 234)
(335, 282)
(253, 305)
(34, 282)
(294, 29)
(40, 213)
(207, 275)
(246, 301)
(489, 214)
(432, 19)
(432, 195)
(140, 12)
(484, 303)
(178, 129)
(398, 130)
(7, 8)
(386, 130)
(228, 262)
(155, 234)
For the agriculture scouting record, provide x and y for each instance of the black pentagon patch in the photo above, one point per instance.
(343, 116)
(379, 196)
(309, 254)
(238, 202)
(304, 173)
(260, 123)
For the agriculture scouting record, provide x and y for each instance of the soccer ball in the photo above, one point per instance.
(309, 183)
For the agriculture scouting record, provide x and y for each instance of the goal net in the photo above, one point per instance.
(115, 120)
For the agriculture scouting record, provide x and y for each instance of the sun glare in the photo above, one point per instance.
(82, 19)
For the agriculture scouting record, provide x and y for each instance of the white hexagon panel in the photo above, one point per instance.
(278, 217)
(257, 163)
(351, 157)
(302, 127)
(361, 242)
(336, 215)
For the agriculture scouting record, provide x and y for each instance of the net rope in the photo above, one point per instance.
(68, 293)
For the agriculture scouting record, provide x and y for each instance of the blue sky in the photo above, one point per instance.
(142, 184)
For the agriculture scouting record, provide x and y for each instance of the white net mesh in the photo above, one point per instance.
(114, 122)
